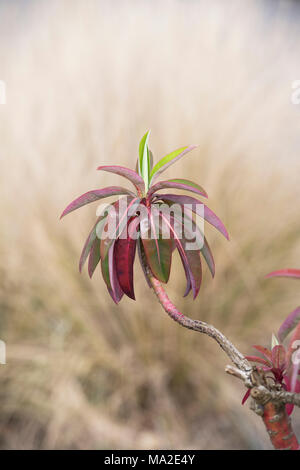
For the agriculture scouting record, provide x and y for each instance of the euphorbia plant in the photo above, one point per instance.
(281, 365)
(139, 219)
(278, 361)
(148, 221)
(281, 361)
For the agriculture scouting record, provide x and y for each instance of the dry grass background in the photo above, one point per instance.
(85, 79)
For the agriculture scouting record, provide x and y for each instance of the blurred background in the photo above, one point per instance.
(84, 81)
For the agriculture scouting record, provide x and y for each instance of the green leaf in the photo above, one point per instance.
(94, 257)
(144, 159)
(169, 159)
(274, 341)
(151, 160)
(158, 250)
(178, 183)
(138, 162)
(105, 271)
(289, 324)
(158, 253)
(190, 184)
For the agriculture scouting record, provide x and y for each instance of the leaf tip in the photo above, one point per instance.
(225, 232)
(65, 212)
(195, 294)
(130, 295)
(274, 341)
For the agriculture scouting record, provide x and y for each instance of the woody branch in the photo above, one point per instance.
(268, 400)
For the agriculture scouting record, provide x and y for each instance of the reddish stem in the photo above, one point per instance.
(236, 357)
(279, 428)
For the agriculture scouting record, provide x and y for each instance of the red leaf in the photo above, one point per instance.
(194, 262)
(94, 195)
(258, 359)
(198, 208)
(109, 274)
(190, 258)
(265, 352)
(89, 242)
(117, 220)
(205, 250)
(124, 256)
(131, 175)
(293, 273)
(278, 356)
(246, 396)
(289, 324)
